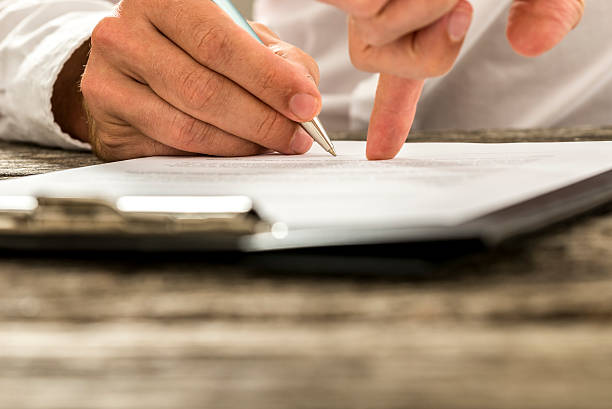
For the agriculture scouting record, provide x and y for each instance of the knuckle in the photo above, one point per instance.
(212, 43)
(295, 56)
(185, 131)
(360, 53)
(360, 59)
(105, 34)
(269, 128)
(269, 79)
(281, 49)
(200, 89)
(308, 62)
(191, 135)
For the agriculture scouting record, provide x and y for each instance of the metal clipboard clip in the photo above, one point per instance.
(143, 222)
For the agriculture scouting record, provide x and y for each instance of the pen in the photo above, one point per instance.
(314, 128)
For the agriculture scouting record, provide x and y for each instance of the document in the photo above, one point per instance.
(428, 184)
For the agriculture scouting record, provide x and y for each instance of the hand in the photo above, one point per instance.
(408, 41)
(169, 78)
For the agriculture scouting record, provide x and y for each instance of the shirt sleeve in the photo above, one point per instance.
(36, 38)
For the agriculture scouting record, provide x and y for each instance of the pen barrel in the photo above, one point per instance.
(228, 7)
(314, 127)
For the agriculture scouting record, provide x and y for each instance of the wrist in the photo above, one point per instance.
(67, 100)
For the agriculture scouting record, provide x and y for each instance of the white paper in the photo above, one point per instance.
(427, 184)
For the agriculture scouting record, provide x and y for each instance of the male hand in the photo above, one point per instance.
(167, 77)
(410, 40)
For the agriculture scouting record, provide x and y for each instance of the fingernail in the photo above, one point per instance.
(304, 106)
(301, 142)
(459, 23)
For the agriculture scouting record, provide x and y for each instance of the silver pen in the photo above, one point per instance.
(314, 128)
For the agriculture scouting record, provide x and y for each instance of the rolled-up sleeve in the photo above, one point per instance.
(36, 38)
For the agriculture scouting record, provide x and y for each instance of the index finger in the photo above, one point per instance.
(392, 117)
(212, 38)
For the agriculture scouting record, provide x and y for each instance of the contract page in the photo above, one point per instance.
(428, 184)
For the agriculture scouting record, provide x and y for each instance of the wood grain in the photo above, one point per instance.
(585, 133)
(24, 160)
(526, 325)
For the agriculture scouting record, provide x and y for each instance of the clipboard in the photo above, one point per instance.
(232, 224)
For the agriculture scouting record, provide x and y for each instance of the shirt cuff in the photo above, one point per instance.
(29, 97)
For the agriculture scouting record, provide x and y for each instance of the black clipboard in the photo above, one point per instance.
(56, 224)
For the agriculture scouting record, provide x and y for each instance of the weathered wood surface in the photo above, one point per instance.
(24, 160)
(527, 325)
(502, 136)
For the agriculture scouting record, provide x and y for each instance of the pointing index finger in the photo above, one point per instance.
(392, 117)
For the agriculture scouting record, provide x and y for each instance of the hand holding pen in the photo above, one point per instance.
(314, 128)
(168, 80)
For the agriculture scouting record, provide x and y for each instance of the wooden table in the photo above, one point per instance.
(524, 326)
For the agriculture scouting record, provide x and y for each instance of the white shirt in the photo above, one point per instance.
(36, 38)
(489, 87)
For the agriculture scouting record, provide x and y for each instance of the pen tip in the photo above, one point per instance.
(332, 151)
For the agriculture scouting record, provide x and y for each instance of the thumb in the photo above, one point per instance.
(392, 117)
(536, 26)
